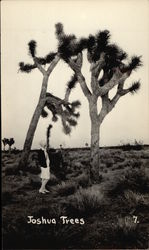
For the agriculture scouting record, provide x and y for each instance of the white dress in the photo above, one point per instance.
(45, 172)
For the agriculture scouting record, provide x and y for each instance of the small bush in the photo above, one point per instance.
(138, 145)
(53, 180)
(133, 199)
(33, 168)
(82, 180)
(35, 181)
(12, 169)
(77, 166)
(87, 201)
(65, 188)
(135, 179)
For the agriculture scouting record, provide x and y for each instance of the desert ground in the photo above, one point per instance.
(113, 214)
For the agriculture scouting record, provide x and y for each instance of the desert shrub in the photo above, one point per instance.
(53, 180)
(113, 168)
(65, 188)
(69, 169)
(35, 181)
(137, 145)
(134, 179)
(57, 210)
(133, 199)
(9, 161)
(145, 154)
(120, 166)
(118, 157)
(85, 162)
(77, 165)
(109, 164)
(128, 163)
(33, 168)
(86, 201)
(82, 180)
(107, 160)
(74, 174)
(12, 169)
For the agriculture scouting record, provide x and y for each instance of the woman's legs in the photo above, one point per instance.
(43, 184)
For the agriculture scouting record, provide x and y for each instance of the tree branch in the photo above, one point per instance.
(67, 94)
(98, 65)
(41, 69)
(70, 85)
(76, 67)
(50, 68)
(121, 92)
(53, 64)
(105, 107)
(117, 78)
(77, 64)
(95, 69)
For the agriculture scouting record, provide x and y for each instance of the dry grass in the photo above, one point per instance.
(65, 188)
(86, 201)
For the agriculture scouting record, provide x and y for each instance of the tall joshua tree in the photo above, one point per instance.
(109, 68)
(38, 62)
(45, 99)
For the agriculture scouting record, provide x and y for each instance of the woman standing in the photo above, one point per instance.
(45, 167)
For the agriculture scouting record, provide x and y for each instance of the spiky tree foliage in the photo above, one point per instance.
(61, 109)
(5, 142)
(104, 57)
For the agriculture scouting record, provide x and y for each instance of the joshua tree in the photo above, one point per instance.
(45, 99)
(108, 69)
(10, 142)
(5, 142)
(51, 59)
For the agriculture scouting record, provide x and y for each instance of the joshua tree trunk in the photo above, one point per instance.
(95, 150)
(33, 124)
(95, 126)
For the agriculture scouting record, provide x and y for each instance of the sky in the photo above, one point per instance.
(22, 21)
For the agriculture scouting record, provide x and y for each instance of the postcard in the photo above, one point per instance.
(75, 124)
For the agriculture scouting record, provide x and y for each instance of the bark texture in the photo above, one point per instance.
(95, 150)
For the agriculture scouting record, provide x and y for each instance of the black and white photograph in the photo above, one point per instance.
(75, 124)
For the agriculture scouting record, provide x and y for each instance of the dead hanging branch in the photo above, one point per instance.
(59, 108)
